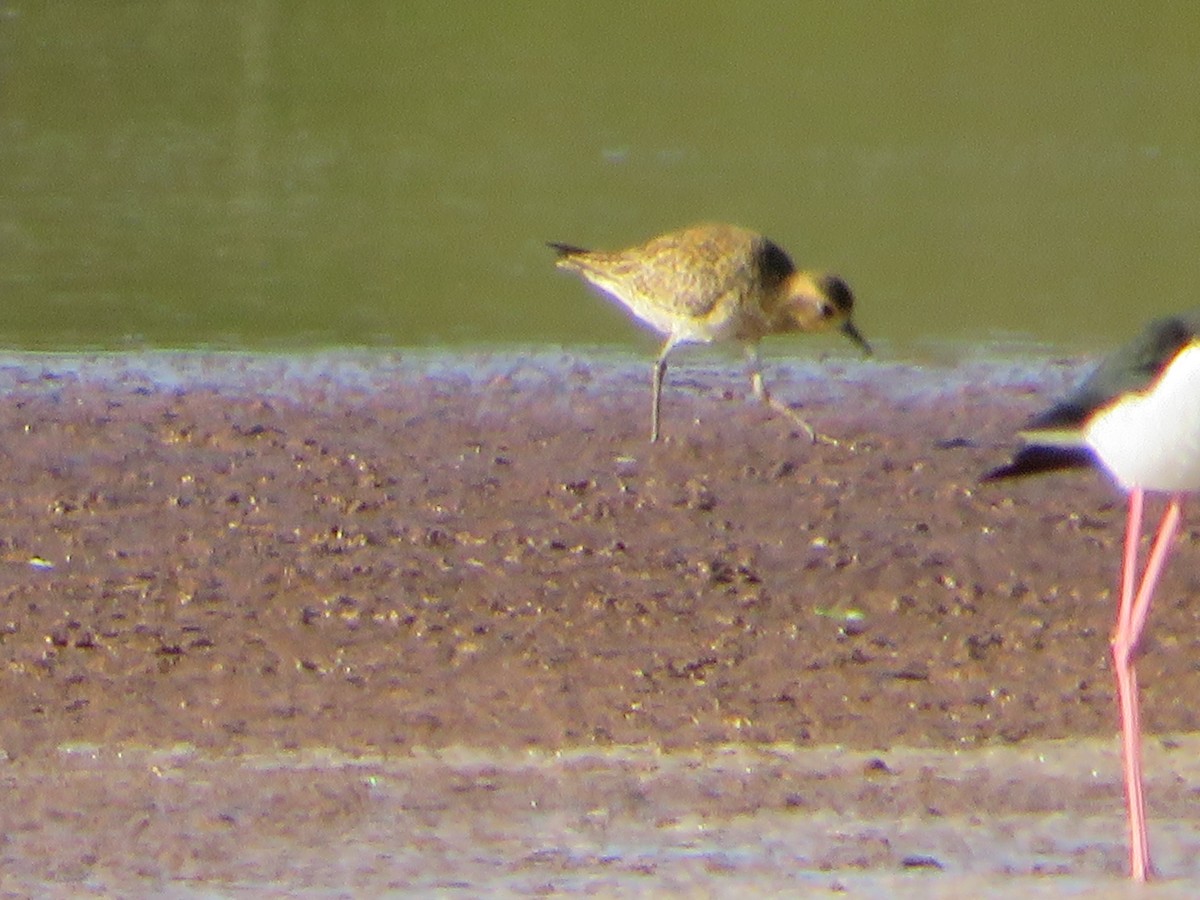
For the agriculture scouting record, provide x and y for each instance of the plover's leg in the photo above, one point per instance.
(759, 386)
(660, 371)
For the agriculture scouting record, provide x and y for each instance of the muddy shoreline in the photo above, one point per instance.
(281, 559)
(381, 555)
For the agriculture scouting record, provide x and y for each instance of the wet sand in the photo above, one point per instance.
(218, 569)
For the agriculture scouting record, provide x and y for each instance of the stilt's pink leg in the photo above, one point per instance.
(1127, 693)
(1133, 537)
(1163, 542)
(1131, 620)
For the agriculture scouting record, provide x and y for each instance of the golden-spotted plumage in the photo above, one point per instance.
(716, 282)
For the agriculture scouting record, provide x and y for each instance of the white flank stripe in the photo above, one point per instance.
(1152, 440)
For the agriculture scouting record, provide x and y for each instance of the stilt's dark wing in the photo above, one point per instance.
(1130, 369)
(1035, 459)
(1053, 439)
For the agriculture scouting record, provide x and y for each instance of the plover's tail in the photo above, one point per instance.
(565, 250)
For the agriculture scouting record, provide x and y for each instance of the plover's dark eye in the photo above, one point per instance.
(827, 311)
(838, 293)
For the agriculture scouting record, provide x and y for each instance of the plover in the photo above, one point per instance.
(712, 283)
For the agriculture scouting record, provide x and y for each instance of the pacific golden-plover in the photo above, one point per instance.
(712, 283)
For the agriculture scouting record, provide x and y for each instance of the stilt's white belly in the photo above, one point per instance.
(1152, 440)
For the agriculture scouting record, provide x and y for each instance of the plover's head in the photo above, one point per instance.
(817, 301)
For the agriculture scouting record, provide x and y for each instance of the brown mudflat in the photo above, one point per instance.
(382, 556)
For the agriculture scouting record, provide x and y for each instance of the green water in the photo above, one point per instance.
(284, 174)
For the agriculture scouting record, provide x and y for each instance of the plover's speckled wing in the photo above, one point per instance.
(679, 279)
